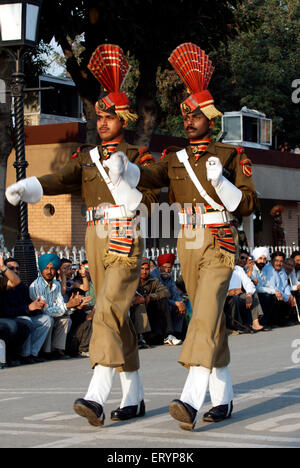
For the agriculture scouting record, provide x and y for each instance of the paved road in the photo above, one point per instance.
(36, 401)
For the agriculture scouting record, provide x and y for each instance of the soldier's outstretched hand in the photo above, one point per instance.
(116, 165)
(214, 170)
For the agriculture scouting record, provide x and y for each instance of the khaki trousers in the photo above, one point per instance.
(206, 276)
(114, 341)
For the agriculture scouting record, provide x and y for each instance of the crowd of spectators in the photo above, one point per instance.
(264, 291)
(287, 148)
(52, 319)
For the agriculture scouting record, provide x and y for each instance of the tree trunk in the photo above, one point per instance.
(87, 88)
(146, 105)
(5, 129)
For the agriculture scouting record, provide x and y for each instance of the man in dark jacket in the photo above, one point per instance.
(150, 312)
(17, 305)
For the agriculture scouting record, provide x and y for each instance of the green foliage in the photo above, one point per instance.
(256, 69)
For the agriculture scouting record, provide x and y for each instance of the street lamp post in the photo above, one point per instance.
(18, 30)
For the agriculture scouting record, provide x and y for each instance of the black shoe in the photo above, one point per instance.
(37, 359)
(91, 410)
(128, 412)
(218, 413)
(184, 413)
(26, 360)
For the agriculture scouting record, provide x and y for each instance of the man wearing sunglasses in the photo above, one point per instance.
(16, 304)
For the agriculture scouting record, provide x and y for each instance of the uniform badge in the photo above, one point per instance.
(102, 105)
(221, 233)
(246, 165)
(186, 109)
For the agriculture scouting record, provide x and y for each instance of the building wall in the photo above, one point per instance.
(63, 227)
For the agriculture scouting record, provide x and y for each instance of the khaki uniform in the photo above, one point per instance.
(207, 269)
(113, 342)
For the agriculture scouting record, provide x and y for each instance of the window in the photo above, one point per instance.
(251, 129)
(266, 131)
(232, 128)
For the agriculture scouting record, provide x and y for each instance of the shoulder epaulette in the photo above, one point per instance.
(170, 149)
(81, 149)
(145, 155)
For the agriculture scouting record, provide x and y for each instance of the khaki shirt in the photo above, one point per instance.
(169, 172)
(82, 174)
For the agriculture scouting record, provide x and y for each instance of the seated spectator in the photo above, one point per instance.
(83, 334)
(153, 264)
(17, 304)
(150, 311)
(273, 291)
(261, 256)
(48, 289)
(164, 274)
(296, 257)
(65, 275)
(297, 149)
(242, 298)
(14, 334)
(289, 267)
(284, 147)
(79, 316)
(184, 297)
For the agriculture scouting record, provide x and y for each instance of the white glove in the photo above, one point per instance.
(228, 193)
(214, 170)
(116, 166)
(125, 192)
(26, 190)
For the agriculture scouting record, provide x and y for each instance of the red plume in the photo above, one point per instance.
(193, 66)
(109, 66)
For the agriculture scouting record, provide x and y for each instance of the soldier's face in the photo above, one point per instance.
(197, 126)
(109, 126)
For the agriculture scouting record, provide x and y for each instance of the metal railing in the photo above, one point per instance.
(78, 255)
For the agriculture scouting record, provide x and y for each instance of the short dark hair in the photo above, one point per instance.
(277, 254)
(65, 260)
(244, 251)
(75, 291)
(295, 254)
(9, 260)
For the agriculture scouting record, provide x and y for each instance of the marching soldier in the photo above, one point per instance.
(113, 248)
(210, 181)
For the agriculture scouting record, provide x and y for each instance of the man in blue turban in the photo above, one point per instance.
(45, 259)
(49, 289)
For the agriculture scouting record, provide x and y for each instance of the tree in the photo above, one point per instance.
(147, 29)
(257, 68)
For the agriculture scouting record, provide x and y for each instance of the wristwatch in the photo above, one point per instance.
(5, 269)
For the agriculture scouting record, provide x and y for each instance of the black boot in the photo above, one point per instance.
(128, 412)
(91, 410)
(184, 413)
(218, 413)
